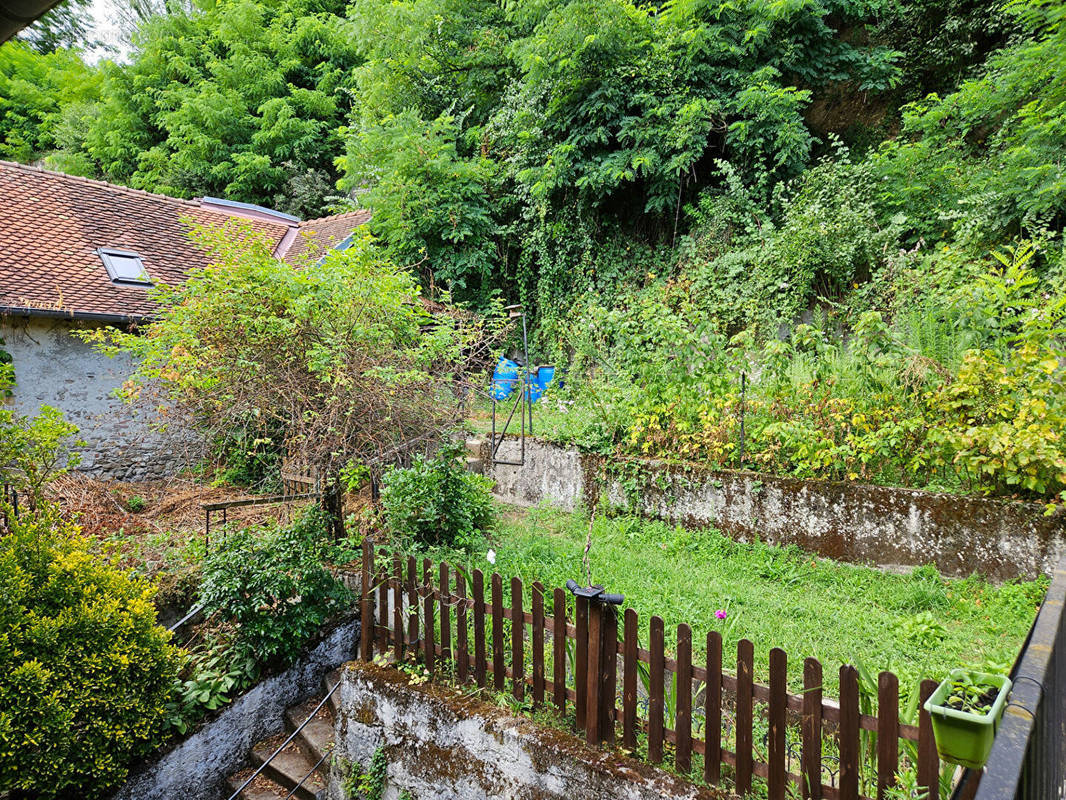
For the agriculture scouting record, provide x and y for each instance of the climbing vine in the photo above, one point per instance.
(369, 784)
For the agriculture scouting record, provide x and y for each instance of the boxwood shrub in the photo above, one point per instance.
(272, 585)
(85, 671)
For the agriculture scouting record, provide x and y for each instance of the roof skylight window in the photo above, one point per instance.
(124, 267)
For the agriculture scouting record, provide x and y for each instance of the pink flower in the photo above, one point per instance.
(720, 613)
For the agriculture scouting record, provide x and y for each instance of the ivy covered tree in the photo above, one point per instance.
(479, 129)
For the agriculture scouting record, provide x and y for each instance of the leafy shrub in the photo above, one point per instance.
(830, 235)
(272, 584)
(34, 450)
(1004, 412)
(249, 455)
(209, 679)
(436, 501)
(85, 672)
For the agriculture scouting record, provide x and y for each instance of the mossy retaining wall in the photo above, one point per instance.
(441, 744)
(848, 521)
(196, 769)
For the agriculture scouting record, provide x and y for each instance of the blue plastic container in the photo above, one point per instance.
(538, 382)
(504, 379)
(545, 375)
(533, 388)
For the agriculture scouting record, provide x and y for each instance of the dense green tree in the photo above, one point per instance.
(240, 100)
(941, 41)
(67, 24)
(132, 14)
(986, 162)
(35, 91)
(601, 115)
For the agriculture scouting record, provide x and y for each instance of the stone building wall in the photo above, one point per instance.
(54, 368)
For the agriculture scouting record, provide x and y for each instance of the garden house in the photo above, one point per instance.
(78, 253)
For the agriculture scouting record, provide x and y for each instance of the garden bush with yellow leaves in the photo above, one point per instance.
(85, 671)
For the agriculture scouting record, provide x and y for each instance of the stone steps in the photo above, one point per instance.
(293, 770)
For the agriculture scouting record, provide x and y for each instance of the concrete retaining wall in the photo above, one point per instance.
(847, 521)
(443, 745)
(197, 768)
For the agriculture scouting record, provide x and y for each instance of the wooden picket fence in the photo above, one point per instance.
(571, 658)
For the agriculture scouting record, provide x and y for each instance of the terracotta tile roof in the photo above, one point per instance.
(315, 236)
(53, 224)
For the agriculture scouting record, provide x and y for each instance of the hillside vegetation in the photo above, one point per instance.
(853, 209)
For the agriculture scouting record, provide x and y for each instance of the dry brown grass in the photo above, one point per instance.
(172, 516)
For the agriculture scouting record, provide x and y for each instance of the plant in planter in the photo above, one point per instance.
(965, 711)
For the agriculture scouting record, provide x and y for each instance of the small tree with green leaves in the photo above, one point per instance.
(339, 358)
(33, 450)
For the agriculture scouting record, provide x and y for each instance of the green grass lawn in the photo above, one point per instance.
(919, 625)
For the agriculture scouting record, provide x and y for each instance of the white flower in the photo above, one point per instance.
(491, 556)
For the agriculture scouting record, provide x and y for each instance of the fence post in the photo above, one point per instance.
(538, 644)
(811, 753)
(593, 672)
(712, 711)
(429, 647)
(887, 732)
(629, 681)
(656, 687)
(745, 695)
(518, 641)
(777, 778)
(498, 669)
(381, 626)
(608, 694)
(444, 583)
(412, 606)
(366, 623)
(480, 665)
(596, 684)
(928, 759)
(848, 733)
(683, 700)
(581, 654)
(397, 606)
(559, 650)
(462, 645)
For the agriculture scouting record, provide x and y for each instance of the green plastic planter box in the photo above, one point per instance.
(961, 737)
